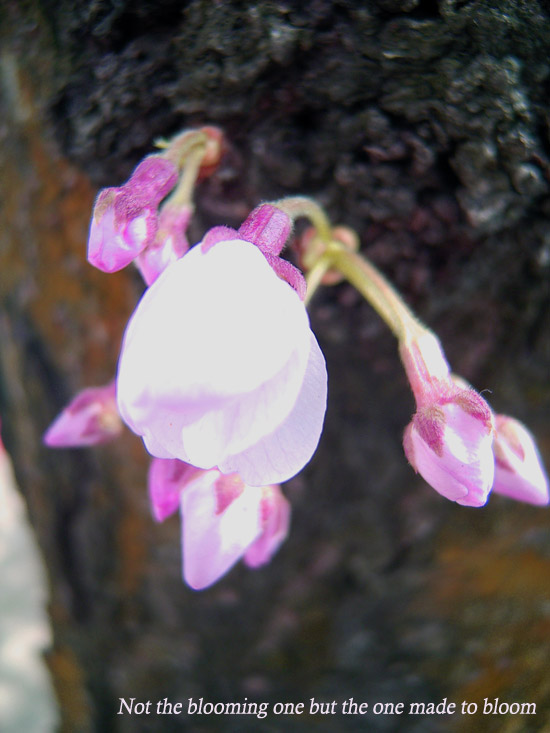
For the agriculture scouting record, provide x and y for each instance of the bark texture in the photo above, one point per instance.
(424, 124)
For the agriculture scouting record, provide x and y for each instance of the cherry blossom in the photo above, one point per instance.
(219, 367)
(223, 519)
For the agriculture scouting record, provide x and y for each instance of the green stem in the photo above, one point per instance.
(183, 194)
(377, 291)
(297, 206)
(315, 276)
(372, 285)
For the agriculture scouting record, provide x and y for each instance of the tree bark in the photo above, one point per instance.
(425, 126)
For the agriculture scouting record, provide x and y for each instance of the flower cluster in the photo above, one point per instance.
(223, 519)
(220, 373)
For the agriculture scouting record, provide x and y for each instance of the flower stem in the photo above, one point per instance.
(315, 276)
(297, 206)
(183, 194)
(374, 287)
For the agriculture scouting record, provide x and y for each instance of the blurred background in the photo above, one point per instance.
(423, 124)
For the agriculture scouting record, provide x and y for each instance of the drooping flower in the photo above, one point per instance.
(519, 473)
(223, 519)
(89, 419)
(124, 220)
(449, 440)
(127, 223)
(219, 367)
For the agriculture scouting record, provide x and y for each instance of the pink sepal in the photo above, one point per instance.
(275, 516)
(519, 473)
(124, 220)
(89, 419)
(217, 234)
(427, 368)
(287, 272)
(166, 480)
(268, 228)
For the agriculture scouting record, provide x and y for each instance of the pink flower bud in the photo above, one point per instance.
(222, 519)
(450, 444)
(124, 220)
(449, 440)
(91, 418)
(169, 245)
(219, 367)
(519, 473)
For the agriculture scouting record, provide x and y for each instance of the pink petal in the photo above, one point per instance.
(170, 243)
(166, 481)
(90, 418)
(519, 472)
(114, 242)
(213, 541)
(275, 512)
(464, 469)
(238, 423)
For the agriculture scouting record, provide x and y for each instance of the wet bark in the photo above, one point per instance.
(424, 125)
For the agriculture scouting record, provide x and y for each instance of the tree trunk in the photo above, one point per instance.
(425, 126)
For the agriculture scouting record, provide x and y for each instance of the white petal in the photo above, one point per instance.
(213, 356)
(282, 454)
(212, 325)
(213, 542)
(245, 420)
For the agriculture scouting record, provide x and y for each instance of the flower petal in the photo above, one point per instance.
(124, 220)
(231, 370)
(170, 243)
(275, 511)
(214, 540)
(519, 472)
(464, 469)
(89, 419)
(166, 481)
(283, 453)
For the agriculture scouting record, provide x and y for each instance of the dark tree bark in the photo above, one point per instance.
(424, 125)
